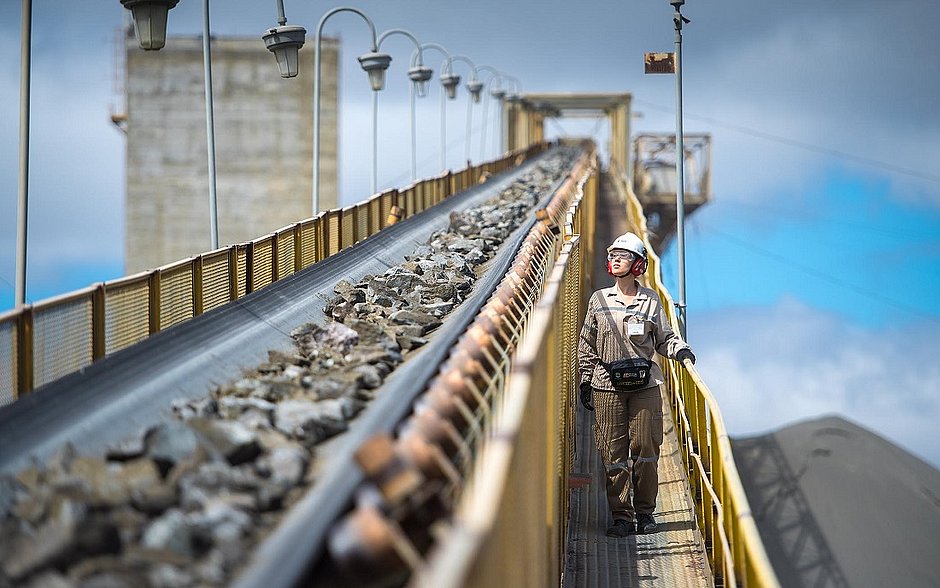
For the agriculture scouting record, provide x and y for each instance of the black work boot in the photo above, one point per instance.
(621, 528)
(645, 523)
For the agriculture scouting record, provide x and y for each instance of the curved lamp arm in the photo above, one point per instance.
(417, 54)
(375, 45)
(516, 84)
(316, 95)
(473, 67)
(492, 71)
(404, 33)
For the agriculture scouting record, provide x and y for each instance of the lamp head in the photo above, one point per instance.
(420, 76)
(375, 65)
(498, 93)
(150, 21)
(284, 42)
(450, 83)
(475, 87)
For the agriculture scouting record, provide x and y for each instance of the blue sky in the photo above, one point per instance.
(853, 252)
(819, 253)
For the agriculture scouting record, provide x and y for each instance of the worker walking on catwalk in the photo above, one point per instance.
(624, 325)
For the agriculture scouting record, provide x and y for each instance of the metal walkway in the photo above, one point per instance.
(674, 556)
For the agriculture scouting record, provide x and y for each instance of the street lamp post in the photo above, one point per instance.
(26, 27)
(678, 19)
(446, 90)
(499, 93)
(150, 25)
(451, 80)
(513, 97)
(374, 63)
(419, 75)
(210, 128)
(486, 100)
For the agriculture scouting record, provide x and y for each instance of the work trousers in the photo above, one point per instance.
(628, 430)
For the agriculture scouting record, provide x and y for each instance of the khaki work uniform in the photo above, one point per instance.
(627, 423)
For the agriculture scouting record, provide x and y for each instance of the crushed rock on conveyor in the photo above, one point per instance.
(184, 503)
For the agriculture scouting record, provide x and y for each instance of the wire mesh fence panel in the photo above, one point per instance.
(285, 253)
(384, 208)
(61, 339)
(127, 314)
(241, 269)
(308, 243)
(411, 198)
(348, 231)
(176, 295)
(362, 220)
(9, 341)
(262, 263)
(333, 232)
(216, 286)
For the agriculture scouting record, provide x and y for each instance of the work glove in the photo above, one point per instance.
(586, 396)
(684, 354)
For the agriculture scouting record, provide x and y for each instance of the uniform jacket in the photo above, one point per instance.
(605, 334)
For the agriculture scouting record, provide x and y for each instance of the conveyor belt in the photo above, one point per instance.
(291, 554)
(117, 397)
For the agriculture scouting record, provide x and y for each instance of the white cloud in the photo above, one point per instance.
(770, 367)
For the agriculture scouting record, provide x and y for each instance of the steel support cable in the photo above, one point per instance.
(133, 389)
(290, 553)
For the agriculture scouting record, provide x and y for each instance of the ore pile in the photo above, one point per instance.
(185, 503)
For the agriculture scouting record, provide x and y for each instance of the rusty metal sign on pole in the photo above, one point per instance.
(660, 63)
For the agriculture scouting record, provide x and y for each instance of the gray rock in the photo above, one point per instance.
(170, 532)
(284, 465)
(410, 343)
(33, 550)
(231, 407)
(127, 449)
(168, 576)
(413, 317)
(170, 443)
(336, 336)
(9, 491)
(371, 376)
(309, 421)
(234, 441)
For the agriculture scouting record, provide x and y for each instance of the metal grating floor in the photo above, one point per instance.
(672, 557)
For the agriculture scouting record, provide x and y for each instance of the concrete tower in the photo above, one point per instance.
(263, 139)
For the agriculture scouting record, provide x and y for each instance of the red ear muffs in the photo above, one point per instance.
(637, 268)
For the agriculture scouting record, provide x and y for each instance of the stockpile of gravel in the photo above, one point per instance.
(185, 502)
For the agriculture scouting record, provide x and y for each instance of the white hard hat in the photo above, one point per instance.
(629, 242)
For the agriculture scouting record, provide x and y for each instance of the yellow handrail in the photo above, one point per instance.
(739, 558)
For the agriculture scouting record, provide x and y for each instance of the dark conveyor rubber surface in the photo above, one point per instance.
(134, 388)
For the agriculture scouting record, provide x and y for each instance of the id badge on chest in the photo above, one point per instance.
(634, 329)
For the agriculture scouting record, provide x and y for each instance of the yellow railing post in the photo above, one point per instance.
(24, 351)
(153, 301)
(98, 323)
(197, 285)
